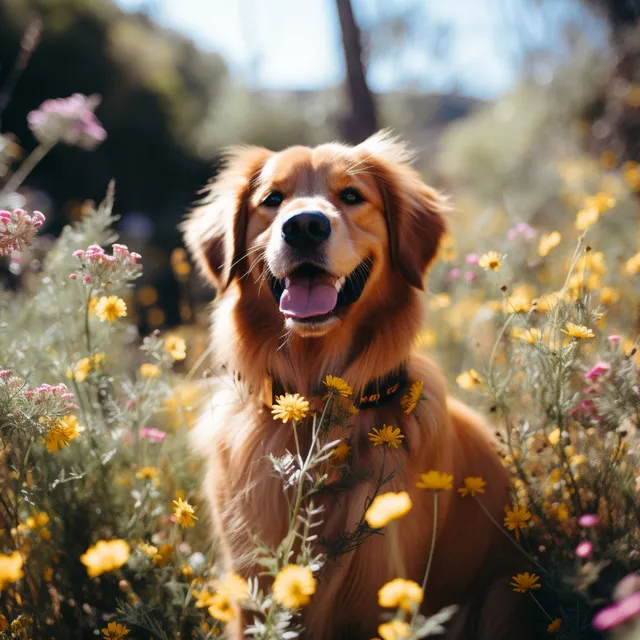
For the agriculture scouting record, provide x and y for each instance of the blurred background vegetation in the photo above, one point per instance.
(493, 94)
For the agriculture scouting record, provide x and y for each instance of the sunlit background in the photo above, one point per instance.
(494, 94)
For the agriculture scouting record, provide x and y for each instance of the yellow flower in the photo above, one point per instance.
(435, 481)
(426, 338)
(632, 265)
(294, 586)
(83, 368)
(221, 608)
(554, 625)
(148, 370)
(290, 406)
(147, 473)
(530, 336)
(10, 569)
(394, 630)
(161, 559)
(184, 513)
(61, 432)
(105, 555)
(609, 295)
(586, 218)
(632, 175)
(562, 512)
(410, 400)
(472, 485)
(554, 436)
(523, 582)
(517, 519)
(402, 594)
(234, 587)
(469, 380)
(176, 347)
(389, 435)
(601, 202)
(548, 242)
(440, 301)
(109, 309)
(341, 453)
(490, 261)
(578, 331)
(4, 623)
(115, 631)
(387, 507)
(203, 598)
(48, 574)
(93, 301)
(149, 549)
(338, 386)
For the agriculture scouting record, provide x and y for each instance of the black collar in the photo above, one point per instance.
(377, 392)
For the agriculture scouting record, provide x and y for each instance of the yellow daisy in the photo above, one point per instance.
(176, 347)
(400, 594)
(523, 582)
(394, 630)
(105, 555)
(435, 481)
(149, 549)
(548, 242)
(184, 513)
(291, 406)
(115, 631)
(10, 569)
(469, 380)
(147, 473)
(472, 485)
(110, 308)
(389, 435)
(341, 453)
(554, 625)
(530, 336)
(578, 331)
(338, 386)
(586, 218)
(410, 400)
(632, 265)
(233, 586)
(149, 370)
(517, 519)
(490, 261)
(221, 608)
(293, 586)
(61, 432)
(386, 508)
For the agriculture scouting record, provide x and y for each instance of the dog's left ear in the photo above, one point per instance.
(215, 232)
(414, 212)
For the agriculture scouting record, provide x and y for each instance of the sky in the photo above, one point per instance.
(295, 44)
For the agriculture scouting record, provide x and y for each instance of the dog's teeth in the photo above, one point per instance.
(287, 282)
(337, 285)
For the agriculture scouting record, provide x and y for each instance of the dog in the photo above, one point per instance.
(319, 258)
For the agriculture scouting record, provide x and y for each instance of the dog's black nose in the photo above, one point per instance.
(306, 230)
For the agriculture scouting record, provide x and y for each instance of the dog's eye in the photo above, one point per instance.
(274, 199)
(351, 196)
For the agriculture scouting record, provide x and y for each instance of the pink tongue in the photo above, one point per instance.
(305, 297)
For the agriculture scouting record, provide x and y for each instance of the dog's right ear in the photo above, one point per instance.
(215, 232)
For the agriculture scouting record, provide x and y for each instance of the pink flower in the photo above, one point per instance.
(470, 276)
(17, 230)
(598, 370)
(613, 338)
(472, 258)
(584, 549)
(454, 273)
(618, 613)
(589, 520)
(521, 229)
(153, 435)
(68, 120)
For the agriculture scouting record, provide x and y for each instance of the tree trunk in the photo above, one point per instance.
(362, 121)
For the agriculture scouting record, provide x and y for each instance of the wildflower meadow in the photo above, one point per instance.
(534, 314)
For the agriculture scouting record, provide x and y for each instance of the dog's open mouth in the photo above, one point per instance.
(311, 294)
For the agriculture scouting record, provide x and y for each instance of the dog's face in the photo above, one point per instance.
(319, 231)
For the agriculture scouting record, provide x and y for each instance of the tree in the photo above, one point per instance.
(362, 120)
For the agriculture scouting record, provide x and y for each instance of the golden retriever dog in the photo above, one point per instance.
(319, 258)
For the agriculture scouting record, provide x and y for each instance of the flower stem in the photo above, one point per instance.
(509, 538)
(431, 550)
(26, 168)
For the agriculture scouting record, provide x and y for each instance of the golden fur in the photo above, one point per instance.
(234, 240)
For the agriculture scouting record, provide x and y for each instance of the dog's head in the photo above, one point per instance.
(318, 231)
